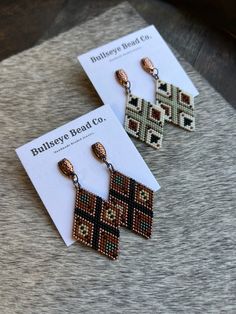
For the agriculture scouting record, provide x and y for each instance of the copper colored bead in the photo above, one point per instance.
(99, 151)
(147, 65)
(122, 77)
(66, 167)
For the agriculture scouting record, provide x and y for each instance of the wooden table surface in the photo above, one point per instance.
(208, 47)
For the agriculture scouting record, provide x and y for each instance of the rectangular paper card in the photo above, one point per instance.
(73, 141)
(125, 53)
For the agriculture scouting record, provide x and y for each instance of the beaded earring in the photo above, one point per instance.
(133, 199)
(96, 222)
(143, 120)
(178, 105)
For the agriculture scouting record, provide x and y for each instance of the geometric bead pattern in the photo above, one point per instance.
(96, 223)
(177, 104)
(135, 202)
(144, 120)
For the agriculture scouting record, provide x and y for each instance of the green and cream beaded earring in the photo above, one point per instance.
(177, 104)
(143, 120)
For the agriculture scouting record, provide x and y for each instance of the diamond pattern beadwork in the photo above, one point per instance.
(135, 202)
(96, 223)
(144, 120)
(177, 104)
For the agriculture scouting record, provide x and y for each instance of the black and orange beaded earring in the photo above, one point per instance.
(133, 199)
(178, 105)
(96, 222)
(143, 120)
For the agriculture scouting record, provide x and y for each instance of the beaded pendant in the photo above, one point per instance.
(133, 199)
(96, 223)
(135, 202)
(144, 120)
(178, 105)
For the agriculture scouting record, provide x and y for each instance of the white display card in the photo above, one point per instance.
(73, 141)
(125, 53)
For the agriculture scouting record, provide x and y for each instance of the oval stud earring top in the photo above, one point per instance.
(148, 66)
(99, 151)
(66, 167)
(122, 78)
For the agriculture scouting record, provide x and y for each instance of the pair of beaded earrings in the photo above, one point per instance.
(96, 221)
(145, 120)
